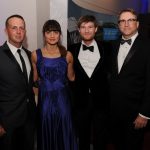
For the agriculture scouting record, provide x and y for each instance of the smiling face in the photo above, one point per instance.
(87, 31)
(51, 32)
(128, 24)
(15, 31)
(52, 37)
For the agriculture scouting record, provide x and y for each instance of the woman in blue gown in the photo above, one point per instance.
(53, 67)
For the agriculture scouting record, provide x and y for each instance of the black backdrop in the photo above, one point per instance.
(144, 27)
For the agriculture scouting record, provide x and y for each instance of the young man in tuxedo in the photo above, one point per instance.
(90, 102)
(129, 84)
(17, 104)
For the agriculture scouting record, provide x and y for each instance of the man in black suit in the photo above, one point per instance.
(90, 100)
(129, 84)
(17, 104)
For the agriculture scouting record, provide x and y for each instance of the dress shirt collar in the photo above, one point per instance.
(132, 38)
(12, 48)
(92, 43)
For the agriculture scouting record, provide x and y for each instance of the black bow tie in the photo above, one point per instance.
(90, 48)
(128, 41)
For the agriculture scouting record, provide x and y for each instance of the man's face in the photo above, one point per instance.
(16, 31)
(87, 31)
(128, 24)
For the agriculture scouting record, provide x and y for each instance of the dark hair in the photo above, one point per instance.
(53, 25)
(13, 16)
(132, 11)
(87, 18)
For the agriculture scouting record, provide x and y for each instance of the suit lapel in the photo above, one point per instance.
(77, 49)
(101, 51)
(98, 64)
(11, 56)
(131, 52)
(8, 52)
(115, 57)
(29, 58)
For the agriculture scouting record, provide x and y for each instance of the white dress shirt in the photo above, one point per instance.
(13, 49)
(89, 59)
(124, 50)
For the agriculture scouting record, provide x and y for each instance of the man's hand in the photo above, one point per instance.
(2, 131)
(140, 122)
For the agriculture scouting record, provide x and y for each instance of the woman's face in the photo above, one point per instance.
(52, 37)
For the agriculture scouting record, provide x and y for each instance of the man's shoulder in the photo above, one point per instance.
(143, 39)
(74, 46)
(3, 47)
(26, 50)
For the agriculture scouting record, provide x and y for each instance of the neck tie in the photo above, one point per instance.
(90, 48)
(123, 41)
(23, 65)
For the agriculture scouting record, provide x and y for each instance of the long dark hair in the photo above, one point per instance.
(53, 25)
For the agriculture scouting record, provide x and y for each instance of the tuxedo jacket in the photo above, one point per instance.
(95, 86)
(16, 95)
(130, 88)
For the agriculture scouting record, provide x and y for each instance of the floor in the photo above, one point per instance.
(110, 146)
(146, 145)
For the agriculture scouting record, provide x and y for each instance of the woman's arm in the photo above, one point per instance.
(70, 73)
(34, 61)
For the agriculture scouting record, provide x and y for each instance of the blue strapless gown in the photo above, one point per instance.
(55, 131)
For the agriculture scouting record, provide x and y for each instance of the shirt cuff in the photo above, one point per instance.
(144, 116)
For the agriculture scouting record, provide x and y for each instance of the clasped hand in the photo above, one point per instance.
(2, 131)
(140, 122)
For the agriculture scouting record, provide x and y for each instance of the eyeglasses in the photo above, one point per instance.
(129, 21)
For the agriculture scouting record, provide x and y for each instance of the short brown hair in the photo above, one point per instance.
(13, 16)
(87, 18)
(132, 11)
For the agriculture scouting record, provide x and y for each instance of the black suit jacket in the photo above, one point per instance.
(130, 89)
(16, 95)
(97, 83)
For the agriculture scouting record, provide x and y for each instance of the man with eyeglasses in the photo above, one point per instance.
(129, 84)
